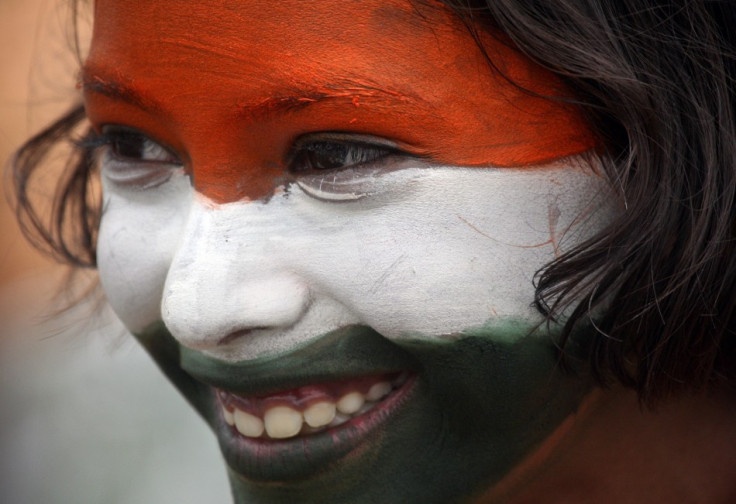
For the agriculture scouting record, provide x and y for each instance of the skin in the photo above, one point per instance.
(239, 269)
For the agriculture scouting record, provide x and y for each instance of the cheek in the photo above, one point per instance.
(431, 252)
(452, 249)
(138, 236)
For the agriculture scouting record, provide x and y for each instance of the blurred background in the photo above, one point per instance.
(19, 22)
(85, 417)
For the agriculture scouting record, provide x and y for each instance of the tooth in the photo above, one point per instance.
(366, 408)
(247, 424)
(319, 414)
(350, 403)
(339, 420)
(228, 415)
(282, 422)
(401, 379)
(378, 391)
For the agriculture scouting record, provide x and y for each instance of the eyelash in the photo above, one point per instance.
(117, 138)
(308, 157)
(319, 156)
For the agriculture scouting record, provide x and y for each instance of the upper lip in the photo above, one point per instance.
(344, 353)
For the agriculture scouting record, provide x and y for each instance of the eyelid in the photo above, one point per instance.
(138, 176)
(345, 137)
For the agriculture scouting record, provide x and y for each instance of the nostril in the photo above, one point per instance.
(237, 334)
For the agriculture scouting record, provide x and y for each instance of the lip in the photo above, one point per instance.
(345, 354)
(268, 459)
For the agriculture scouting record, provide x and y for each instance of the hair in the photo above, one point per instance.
(656, 81)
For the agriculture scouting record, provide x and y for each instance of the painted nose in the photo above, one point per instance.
(226, 281)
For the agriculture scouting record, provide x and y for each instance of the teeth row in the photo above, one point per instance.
(282, 422)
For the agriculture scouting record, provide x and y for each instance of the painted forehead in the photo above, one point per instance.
(231, 84)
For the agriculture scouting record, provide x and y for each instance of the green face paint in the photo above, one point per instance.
(476, 404)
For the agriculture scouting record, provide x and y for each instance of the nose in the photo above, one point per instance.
(226, 280)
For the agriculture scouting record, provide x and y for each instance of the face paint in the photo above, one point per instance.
(231, 101)
(365, 333)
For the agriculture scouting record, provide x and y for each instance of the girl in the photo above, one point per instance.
(420, 251)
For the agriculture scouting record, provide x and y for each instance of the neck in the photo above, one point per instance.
(615, 451)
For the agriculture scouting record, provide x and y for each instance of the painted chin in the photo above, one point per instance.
(271, 439)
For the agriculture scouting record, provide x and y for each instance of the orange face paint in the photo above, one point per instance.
(231, 84)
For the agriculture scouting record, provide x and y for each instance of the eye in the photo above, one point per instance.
(129, 145)
(341, 167)
(336, 154)
(130, 159)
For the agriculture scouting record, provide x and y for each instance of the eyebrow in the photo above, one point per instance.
(118, 90)
(290, 100)
(295, 99)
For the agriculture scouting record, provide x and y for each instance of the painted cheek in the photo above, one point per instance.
(382, 257)
(138, 236)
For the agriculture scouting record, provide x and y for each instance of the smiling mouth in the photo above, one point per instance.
(310, 409)
(274, 418)
(269, 437)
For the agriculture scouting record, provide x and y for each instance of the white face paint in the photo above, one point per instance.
(415, 251)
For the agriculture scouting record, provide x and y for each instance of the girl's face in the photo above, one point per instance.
(323, 220)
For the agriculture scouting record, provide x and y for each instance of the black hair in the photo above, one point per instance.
(656, 80)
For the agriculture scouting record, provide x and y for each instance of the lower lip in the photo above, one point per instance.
(278, 460)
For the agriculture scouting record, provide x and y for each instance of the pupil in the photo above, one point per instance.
(129, 146)
(328, 156)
